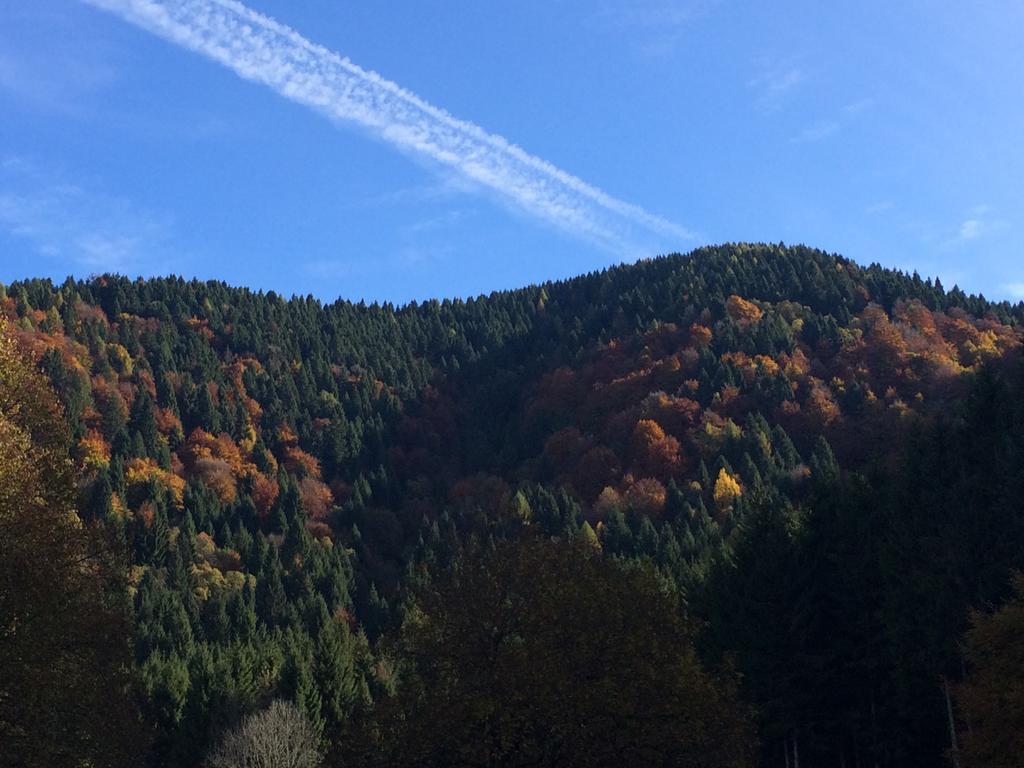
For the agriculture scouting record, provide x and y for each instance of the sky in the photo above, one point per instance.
(397, 151)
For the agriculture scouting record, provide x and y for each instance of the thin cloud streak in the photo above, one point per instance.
(774, 83)
(261, 50)
(69, 224)
(979, 223)
(817, 132)
(1016, 290)
(971, 229)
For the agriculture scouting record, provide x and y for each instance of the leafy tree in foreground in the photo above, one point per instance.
(63, 630)
(992, 698)
(543, 653)
(277, 737)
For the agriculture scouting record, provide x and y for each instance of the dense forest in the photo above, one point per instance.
(754, 505)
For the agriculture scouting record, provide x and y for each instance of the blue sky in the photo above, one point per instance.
(566, 136)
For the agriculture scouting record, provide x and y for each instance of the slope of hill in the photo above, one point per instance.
(823, 459)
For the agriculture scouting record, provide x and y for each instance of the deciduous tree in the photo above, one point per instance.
(498, 675)
(277, 737)
(64, 691)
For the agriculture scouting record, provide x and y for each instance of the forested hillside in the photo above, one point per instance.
(819, 465)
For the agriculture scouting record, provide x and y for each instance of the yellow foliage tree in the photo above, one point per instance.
(93, 451)
(727, 490)
(141, 471)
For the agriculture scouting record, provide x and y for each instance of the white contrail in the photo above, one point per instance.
(260, 49)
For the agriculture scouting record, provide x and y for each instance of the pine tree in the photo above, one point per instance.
(271, 600)
(335, 673)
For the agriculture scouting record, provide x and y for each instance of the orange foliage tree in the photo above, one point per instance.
(317, 498)
(742, 311)
(647, 496)
(654, 453)
(264, 493)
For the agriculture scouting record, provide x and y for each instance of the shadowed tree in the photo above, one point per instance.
(545, 654)
(64, 690)
(991, 699)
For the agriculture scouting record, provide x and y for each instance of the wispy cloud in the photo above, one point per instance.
(441, 221)
(51, 84)
(657, 25)
(881, 206)
(774, 83)
(1015, 290)
(816, 132)
(979, 222)
(333, 269)
(858, 107)
(971, 228)
(77, 227)
(653, 13)
(262, 50)
(420, 255)
(824, 128)
(59, 78)
(441, 188)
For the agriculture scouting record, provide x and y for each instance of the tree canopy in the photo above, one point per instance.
(65, 696)
(547, 653)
